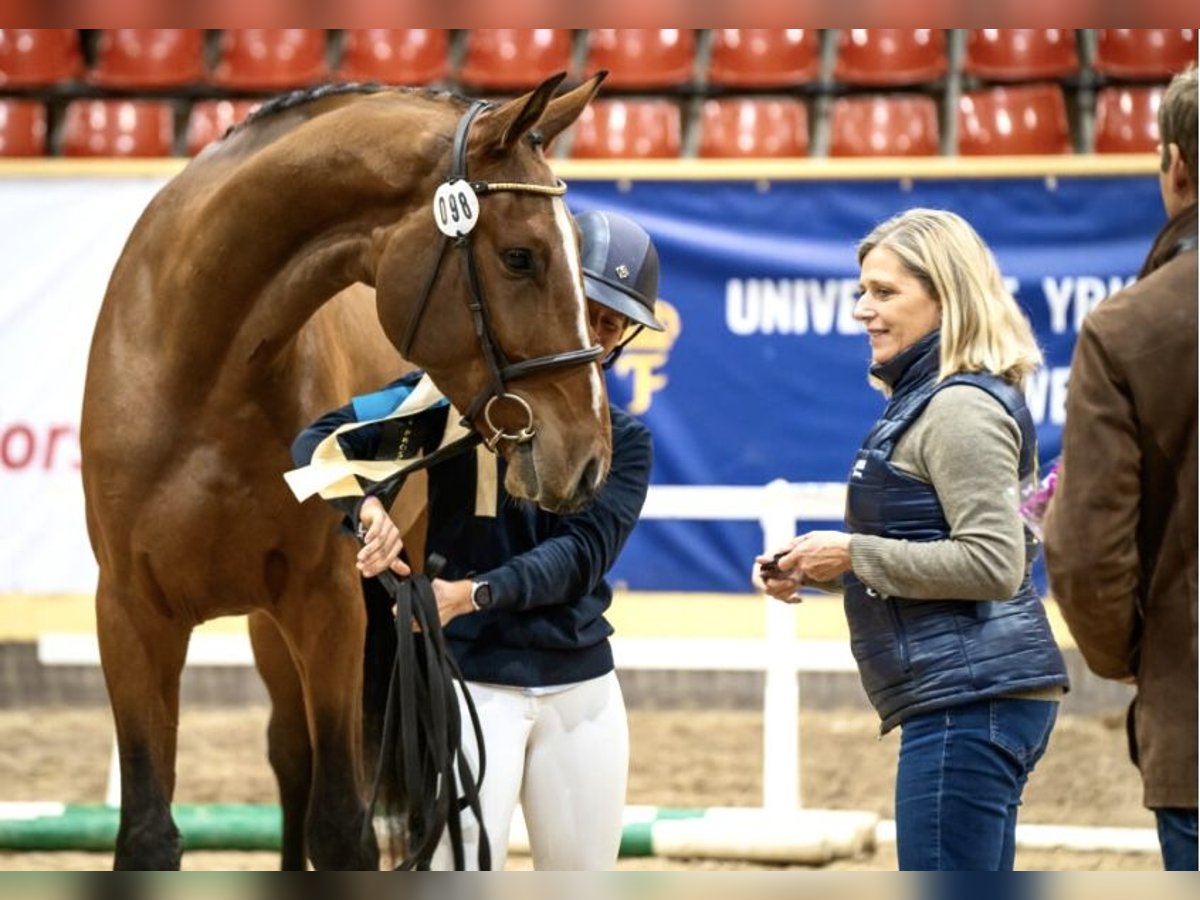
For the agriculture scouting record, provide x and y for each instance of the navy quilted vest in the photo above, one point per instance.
(919, 655)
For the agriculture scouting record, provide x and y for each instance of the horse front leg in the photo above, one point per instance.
(142, 653)
(288, 744)
(327, 647)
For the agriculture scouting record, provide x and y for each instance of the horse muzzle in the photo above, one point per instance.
(525, 479)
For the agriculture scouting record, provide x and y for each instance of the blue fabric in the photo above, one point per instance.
(959, 782)
(1177, 837)
(378, 404)
(918, 655)
(768, 346)
(382, 440)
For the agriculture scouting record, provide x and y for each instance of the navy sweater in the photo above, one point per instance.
(546, 572)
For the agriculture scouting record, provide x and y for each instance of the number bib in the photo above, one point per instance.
(455, 208)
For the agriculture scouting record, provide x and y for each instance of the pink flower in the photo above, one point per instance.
(1035, 499)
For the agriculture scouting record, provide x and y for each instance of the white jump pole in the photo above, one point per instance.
(776, 507)
(781, 686)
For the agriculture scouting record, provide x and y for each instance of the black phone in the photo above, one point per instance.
(770, 569)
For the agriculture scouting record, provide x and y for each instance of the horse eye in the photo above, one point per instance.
(519, 261)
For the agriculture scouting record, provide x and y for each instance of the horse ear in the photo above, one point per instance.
(564, 110)
(501, 129)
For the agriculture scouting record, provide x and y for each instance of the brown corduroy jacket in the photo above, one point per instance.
(1121, 532)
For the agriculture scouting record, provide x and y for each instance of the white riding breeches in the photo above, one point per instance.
(564, 754)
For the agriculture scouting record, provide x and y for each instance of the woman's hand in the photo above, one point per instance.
(381, 541)
(818, 556)
(775, 576)
(785, 587)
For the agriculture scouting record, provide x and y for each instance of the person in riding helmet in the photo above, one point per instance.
(523, 593)
(620, 276)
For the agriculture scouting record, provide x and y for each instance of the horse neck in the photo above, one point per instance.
(283, 231)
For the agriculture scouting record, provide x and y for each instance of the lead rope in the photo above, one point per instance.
(423, 711)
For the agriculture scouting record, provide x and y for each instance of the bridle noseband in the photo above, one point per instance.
(456, 210)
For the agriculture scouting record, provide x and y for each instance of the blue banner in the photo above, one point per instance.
(761, 373)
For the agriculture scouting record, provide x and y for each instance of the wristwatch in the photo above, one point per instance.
(481, 595)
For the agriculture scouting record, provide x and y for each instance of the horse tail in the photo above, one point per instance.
(413, 726)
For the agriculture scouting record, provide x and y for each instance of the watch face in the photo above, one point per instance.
(482, 595)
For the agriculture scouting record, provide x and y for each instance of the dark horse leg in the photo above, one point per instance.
(142, 652)
(325, 648)
(288, 742)
(289, 734)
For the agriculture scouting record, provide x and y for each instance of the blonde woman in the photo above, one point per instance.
(949, 633)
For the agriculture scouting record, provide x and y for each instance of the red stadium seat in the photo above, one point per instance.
(1144, 52)
(890, 56)
(764, 57)
(1013, 120)
(271, 58)
(893, 125)
(1127, 119)
(22, 128)
(35, 57)
(642, 57)
(118, 128)
(1021, 54)
(210, 119)
(754, 126)
(148, 57)
(627, 129)
(506, 59)
(394, 55)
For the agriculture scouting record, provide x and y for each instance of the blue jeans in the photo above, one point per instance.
(959, 782)
(1177, 837)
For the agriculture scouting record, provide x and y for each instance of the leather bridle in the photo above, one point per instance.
(501, 370)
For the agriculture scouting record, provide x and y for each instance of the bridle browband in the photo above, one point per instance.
(500, 369)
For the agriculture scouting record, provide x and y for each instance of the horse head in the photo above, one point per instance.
(499, 261)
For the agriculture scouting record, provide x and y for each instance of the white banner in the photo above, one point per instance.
(59, 240)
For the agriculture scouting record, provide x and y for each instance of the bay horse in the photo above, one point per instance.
(217, 341)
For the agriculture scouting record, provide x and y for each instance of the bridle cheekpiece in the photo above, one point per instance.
(456, 208)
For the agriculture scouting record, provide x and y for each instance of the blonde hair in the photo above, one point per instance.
(983, 328)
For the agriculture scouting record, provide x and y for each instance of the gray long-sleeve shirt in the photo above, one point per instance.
(967, 446)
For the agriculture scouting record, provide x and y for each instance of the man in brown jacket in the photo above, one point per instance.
(1121, 531)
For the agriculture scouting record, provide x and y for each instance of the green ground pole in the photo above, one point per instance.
(55, 826)
(50, 826)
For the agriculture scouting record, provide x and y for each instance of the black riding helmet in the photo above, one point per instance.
(620, 266)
